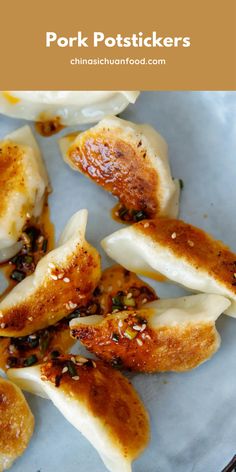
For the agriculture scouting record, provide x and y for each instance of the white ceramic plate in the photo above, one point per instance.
(193, 415)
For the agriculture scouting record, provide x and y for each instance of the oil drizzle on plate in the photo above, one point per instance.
(47, 127)
(10, 98)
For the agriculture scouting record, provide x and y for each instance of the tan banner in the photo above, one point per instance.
(125, 45)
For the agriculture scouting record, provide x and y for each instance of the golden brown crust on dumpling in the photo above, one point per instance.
(16, 423)
(57, 297)
(128, 341)
(11, 173)
(119, 166)
(195, 247)
(107, 395)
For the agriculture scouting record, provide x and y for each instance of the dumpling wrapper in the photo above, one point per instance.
(71, 107)
(23, 184)
(167, 335)
(16, 423)
(181, 252)
(96, 400)
(64, 279)
(128, 160)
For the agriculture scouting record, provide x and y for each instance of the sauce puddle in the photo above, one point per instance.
(41, 238)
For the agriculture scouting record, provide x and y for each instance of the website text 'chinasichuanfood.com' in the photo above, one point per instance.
(80, 61)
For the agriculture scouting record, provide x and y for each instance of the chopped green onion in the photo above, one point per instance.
(181, 184)
(130, 333)
(117, 308)
(115, 337)
(139, 215)
(71, 368)
(33, 342)
(54, 354)
(116, 300)
(30, 360)
(75, 314)
(45, 245)
(27, 259)
(117, 303)
(14, 259)
(17, 275)
(122, 212)
(129, 301)
(44, 341)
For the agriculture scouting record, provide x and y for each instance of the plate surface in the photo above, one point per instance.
(193, 415)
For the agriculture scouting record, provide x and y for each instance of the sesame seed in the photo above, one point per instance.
(144, 301)
(120, 324)
(11, 348)
(235, 275)
(173, 235)
(1, 315)
(64, 370)
(30, 318)
(137, 327)
(146, 225)
(32, 336)
(53, 276)
(51, 265)
(129, 295)
(143, 327)
(2, 325)
(115, 311)
(145, 336)
(71, 305)
(117, 213)
(66, 280)
(190, 243)
(140, 343)
(94, 364)
(81, 360)
(60, 276)
(76, 377)
(73, 359)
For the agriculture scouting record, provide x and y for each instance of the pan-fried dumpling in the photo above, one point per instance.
(166, 335)
(131, 162)
(179, 251)
(71, 107)
(23, 184)
(97, 400)
(64, 279)
(16, 423)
